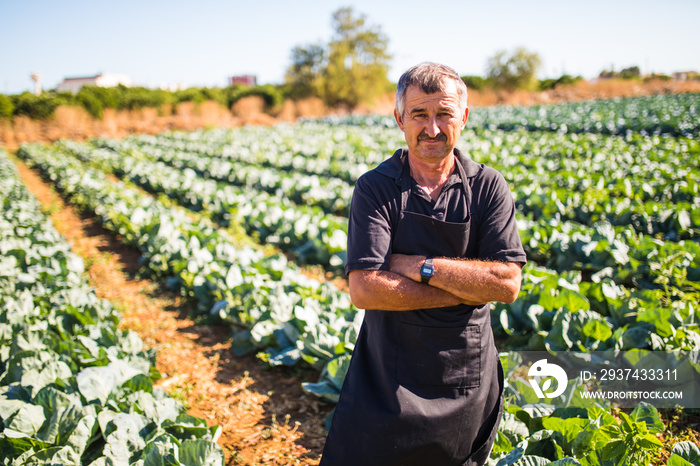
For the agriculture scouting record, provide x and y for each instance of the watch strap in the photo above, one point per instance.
(426, 270)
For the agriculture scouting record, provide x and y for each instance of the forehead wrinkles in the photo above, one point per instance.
(439, 100)
(446, 97)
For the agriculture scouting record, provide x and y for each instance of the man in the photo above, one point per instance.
(432, 240)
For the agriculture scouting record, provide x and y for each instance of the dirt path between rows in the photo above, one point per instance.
(266, 417)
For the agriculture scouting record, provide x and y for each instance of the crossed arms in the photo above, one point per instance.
(455, 281)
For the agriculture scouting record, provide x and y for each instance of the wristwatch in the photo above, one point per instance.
(426, 270)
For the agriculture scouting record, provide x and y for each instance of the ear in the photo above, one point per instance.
(465, 117)
(398, 118)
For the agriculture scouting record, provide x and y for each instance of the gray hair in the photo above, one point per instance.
(430, 77)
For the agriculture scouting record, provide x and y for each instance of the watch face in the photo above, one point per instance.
(426, 270)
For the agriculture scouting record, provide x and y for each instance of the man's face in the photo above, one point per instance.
(432, 123)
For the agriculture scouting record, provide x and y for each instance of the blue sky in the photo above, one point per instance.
(201, 43)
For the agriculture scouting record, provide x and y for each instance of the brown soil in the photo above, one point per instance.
(265, 415)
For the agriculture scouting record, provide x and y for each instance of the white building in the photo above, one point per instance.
(685, 75)
(102, 80)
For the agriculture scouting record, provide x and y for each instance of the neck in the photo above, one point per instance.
(431, 176)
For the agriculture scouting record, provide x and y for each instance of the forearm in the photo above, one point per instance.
(481, 281)
(471, 281)
(393, 292)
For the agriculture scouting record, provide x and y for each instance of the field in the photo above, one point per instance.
(243, 231)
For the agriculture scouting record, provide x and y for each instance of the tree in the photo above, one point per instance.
(564, 79)
(632, 72)
(476, 83)
(357, 65)
(39, 107)
(303, 75)
(352, 69)
(515, 71)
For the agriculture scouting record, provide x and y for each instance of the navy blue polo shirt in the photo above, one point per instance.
(376, 205)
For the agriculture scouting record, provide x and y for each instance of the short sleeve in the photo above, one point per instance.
(369, 224)
(497, 228)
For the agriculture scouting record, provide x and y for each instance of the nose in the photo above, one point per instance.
(432, 129)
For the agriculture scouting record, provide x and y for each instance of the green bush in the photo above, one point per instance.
(546, 84)
(39, 107)
(271, 95)
(631, 72)
(660, 77)
(191, 94)
(96, 99)
(216, 94)
(107, 96)
(133, 98)
(476, 83)
(201, 94)
(92, 104)
(6, 107)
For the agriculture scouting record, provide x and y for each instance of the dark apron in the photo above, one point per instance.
(424, 387)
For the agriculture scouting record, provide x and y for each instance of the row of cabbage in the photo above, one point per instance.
(332, 195)
(651, 183)
(273, 308)
(632, 224)
(642, 289)
(523, 427)
(74, 389)
(584, 178)
(307, 233)
(670, 114)
(594, 315)
(668, 204)
(675, 115)
(559, 311)
(342, 151)
(584, 305)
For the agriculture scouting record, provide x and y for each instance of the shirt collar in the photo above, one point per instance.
(393, 167)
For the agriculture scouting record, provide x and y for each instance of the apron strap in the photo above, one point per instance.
(406, 186)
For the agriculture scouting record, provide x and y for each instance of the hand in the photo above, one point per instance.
(406, 265)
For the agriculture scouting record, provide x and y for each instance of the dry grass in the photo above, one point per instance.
(251, 111)
(189, 116)
(248, 107)
(70, 123)
(7, 133)
(310, 107)
(583, 90)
